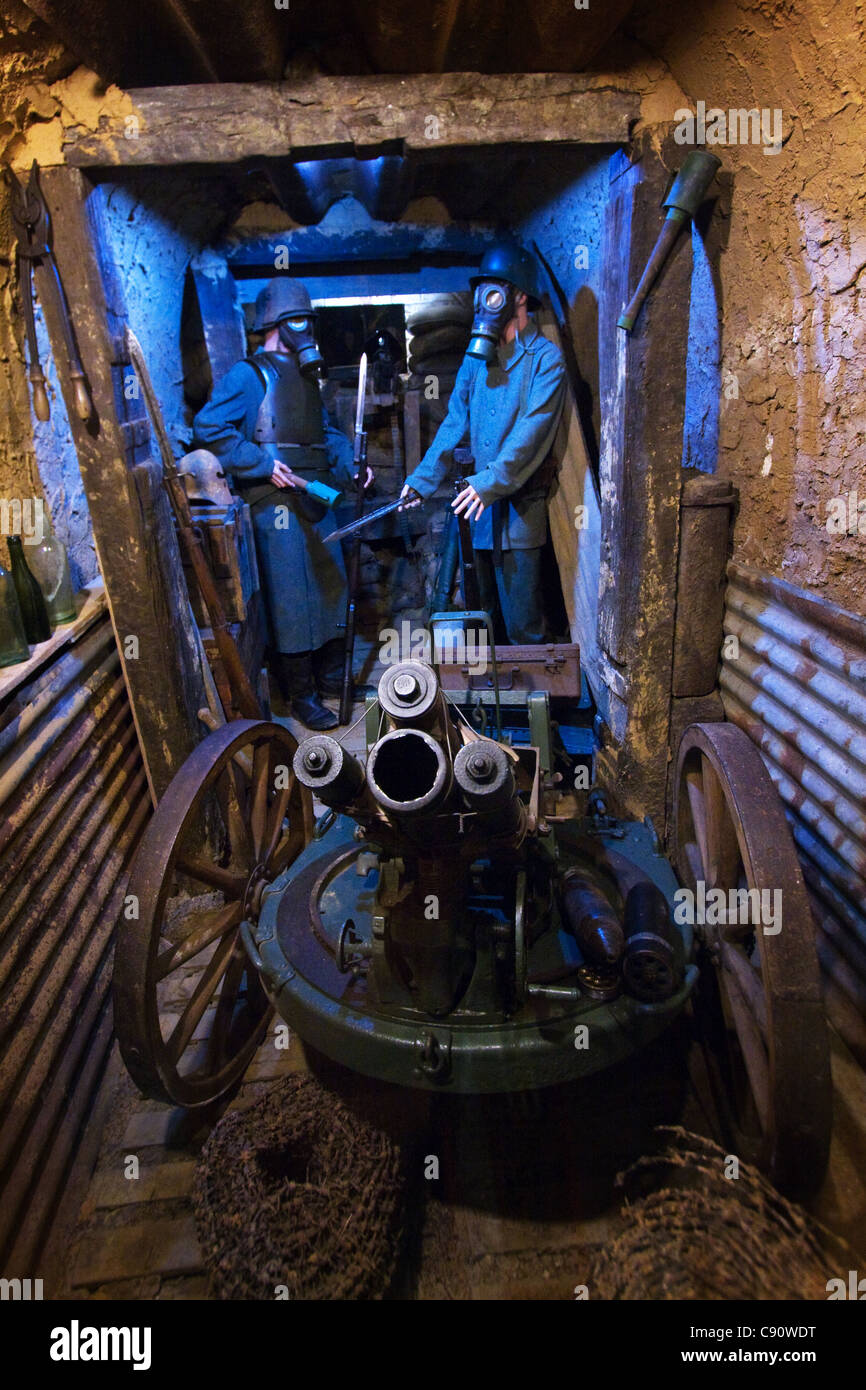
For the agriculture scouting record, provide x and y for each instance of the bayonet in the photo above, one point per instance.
(354, 527)
(362, 400)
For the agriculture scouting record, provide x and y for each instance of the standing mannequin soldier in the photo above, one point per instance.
(507, 400)
(266, 423)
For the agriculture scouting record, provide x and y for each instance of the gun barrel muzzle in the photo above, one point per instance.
(408, 773)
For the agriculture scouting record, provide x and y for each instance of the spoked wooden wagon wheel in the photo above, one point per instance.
(759, 999)
(190, 1009)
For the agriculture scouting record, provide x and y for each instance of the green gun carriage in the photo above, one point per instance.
(441, 925)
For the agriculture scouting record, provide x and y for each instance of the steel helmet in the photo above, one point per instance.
(204, 478)
(505, 261)
(281, 298)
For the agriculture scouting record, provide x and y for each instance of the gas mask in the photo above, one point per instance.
(297, 334)
(494, 307)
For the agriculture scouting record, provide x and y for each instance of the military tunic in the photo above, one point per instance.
(509, 412)
(247, 426)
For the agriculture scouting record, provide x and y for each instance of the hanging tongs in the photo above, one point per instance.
(33, 226)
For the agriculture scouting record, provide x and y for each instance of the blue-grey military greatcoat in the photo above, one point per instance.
(261, 410)
(508, 412)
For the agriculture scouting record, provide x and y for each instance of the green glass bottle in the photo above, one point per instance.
(50, 566)
(13, 642)
(37, 628)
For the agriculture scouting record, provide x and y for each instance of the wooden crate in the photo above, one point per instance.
(227, 535)
(551, 666)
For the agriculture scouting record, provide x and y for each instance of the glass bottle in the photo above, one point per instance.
(48, 562)
(36, 625)
(13, 643)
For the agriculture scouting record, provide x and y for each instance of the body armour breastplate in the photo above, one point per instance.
(291, 409)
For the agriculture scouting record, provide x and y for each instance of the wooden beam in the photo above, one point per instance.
(132, 525)
(575, 524)
(224, 123)
(643, 384)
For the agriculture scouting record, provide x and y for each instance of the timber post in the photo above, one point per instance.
(132, 524)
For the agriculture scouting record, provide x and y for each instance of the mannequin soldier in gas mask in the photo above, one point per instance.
(266, 423)
(506, 403)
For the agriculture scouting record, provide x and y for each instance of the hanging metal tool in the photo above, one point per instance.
(687, 192)
(247, 702)
(33, 227)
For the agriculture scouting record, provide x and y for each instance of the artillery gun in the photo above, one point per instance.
(441, 926)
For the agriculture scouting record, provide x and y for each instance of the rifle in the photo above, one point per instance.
(468, 573)
(247, 701)
(354, 566)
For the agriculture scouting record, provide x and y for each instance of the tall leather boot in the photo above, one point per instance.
(297, 683)
(328, 667)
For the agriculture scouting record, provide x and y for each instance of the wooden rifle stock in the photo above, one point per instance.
(247, 701)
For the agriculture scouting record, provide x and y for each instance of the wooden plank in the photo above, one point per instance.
(412, 430)
(643, 383)
(132, 524)
(231, 121)
(576, 535)
(220, 316)
(161, 1182)
(148, 1247)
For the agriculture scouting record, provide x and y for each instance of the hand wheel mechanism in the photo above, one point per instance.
(759, 999)
(190, 1009)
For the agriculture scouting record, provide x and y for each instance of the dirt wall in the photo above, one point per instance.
(792, 430)
(28, 59)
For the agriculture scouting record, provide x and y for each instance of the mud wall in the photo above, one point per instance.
(31, 452)
(792, 408)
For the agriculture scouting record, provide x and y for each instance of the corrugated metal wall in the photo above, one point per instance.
(797, 686)
(73, 803)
